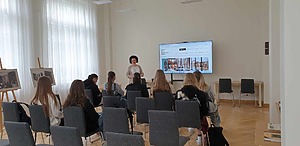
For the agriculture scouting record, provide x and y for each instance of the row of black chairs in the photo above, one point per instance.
(247, 88)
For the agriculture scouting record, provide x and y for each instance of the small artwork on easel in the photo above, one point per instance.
(36, 73)
(9, 80)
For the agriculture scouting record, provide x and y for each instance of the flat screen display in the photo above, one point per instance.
(186, 57)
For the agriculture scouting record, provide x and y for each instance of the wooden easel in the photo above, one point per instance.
(5, 93)
(39, 63)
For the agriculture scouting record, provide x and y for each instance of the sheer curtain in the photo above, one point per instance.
(16, 42)
(69, 41)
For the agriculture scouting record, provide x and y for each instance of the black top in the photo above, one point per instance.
(91, 117)
(97, 97)
(138, 87)
(191, 92)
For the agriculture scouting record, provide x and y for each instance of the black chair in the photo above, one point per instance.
(225, 87)
(131, 95)
(39, 121)
(19, 134)
(143, 105)
(163, 101)
(163, 129)
(11, 112)
(66, 136)
(121, 139)
(74, 117)
(247, 89)
(116, 120)
(188, 114)
(111, 101)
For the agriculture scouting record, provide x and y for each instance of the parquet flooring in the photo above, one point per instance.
(242, 126)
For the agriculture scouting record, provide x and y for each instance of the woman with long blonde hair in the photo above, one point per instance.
(189, 79)
(44, 96)
(160, 83)
(213, 107)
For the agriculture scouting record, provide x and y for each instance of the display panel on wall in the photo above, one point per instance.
(186, 57)
(39, 72)
(9, 80)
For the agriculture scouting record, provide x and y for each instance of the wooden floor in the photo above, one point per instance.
(243, 126)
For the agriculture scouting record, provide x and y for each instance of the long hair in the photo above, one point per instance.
(160, 82)
(76, 96)
(189, 79)
(200, 81)
(110, 81)
(136, 78)
(43, 92)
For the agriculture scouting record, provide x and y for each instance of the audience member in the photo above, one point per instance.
(77, 97)
(137, 86)
(90, 83)
(45, 97)
(160, 83)
(213, 107)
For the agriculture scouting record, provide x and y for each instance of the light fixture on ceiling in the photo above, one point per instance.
(102, 2)
(190, 1)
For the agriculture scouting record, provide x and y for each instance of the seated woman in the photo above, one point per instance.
(45, 97)
(114, 89)
(137, 85)
(111, 87)
(160, 83)
(77, 97)
(90, 83)
(213, 108)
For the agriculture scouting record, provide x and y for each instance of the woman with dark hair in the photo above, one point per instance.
(90, 83)
(137, 85)
(133, 68)
(111, 87)
(45, 97)
(77, 97)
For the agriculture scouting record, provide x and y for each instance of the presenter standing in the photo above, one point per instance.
(133, 68)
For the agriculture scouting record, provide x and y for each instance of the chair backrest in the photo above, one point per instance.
(74, 117)
(188, 113)
(39, 121)
(163, 101)
(65, 136)
(225, 85)
(115, 120)
(247, 86)
(143, 105)
(131, 95)
(163, 128)
(19, 133)
(111, 101)
(104, 93)
(11, 112)
(89, 95)
(121, 139)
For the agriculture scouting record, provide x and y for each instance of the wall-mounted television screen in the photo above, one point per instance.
(186, 57)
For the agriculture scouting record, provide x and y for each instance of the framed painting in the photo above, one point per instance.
(36, 73)
(9, 80)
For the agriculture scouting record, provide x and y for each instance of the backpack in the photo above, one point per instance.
(22, 113)
(216, 137)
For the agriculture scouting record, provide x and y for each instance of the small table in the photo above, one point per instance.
(238, 83)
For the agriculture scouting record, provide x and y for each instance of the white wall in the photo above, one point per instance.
(289, 56)
(238, 29)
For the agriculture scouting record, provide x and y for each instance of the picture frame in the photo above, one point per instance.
(36, 73)
(9, 80)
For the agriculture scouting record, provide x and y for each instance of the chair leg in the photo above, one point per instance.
(233, 99)
(34, 137)
(240, 100)
(255, 100)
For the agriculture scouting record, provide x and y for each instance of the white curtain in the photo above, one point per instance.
(69, 41)
(16, 42)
